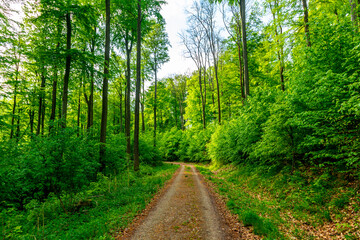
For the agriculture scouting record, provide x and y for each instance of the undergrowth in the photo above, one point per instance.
(100, 211)
(283, 205)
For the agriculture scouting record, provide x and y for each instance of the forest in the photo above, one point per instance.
(272, 109)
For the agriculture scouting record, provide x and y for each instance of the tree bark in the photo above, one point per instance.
(203, 104)
(79, 111)
(55, 83)
(353, 5)
(121, 108)
(245, 53)
(31, 117)
(128, 46)
(155, 105)
(142, 105)
(280, 53)
(41, 96)
(53, 100)
(137, 91)
(218, 91)
(67, 70)
(43, 116)
(306, 22)
(105, 89)
(90, 101)
(13, 114)
(14, 108)
(17, 134)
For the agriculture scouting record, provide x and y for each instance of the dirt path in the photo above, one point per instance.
(186, 210)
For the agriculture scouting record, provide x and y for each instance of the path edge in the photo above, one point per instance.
(129, 231)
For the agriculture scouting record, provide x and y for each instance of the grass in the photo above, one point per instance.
(283, 205)
(100, 211)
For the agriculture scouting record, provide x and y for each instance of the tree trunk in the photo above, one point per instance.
(181, 115)
(245, 53)
(280, 53)
(306, 22)
(137, 91)
(218, 91)
(202, 99)
(31, 117)
(238, 43)
(121, 109)
(90, 101)
(43, 116)
(353, 5)
(79, 111)
(127, 97)
(17, 134)
(142, 105)
(53, 100)
(54, 85)
(241, 73)
(105, 88)
(155, 106)
(41, 96)
(13, 112)
(67, 71)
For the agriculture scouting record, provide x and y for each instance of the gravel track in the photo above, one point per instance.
(186, 210)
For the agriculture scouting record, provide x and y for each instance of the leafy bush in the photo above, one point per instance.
(169, 143)
(234, 141)
(59, 163)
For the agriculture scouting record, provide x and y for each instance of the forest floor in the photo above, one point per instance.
(187, 208)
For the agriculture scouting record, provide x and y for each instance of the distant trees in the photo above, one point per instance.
(157, 46)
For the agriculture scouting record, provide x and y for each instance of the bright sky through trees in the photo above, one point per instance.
(175, 17)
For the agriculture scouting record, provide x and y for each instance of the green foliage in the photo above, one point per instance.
(169, 144)
(234, 141)
(261, 226)
(270, 201)
(101, 209)
(59, 163)
(148, 153)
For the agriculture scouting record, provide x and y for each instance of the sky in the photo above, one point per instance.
(175, 17)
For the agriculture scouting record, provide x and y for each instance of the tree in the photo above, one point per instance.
(306, 22)
(67, 68)
(157, 44)
(137, 93)
(275, 8)
(205, 15)
(233, 27)
(105, 86)
(193, 40)
(242, 5)
(126, 32)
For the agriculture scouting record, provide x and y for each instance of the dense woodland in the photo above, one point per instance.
(80, 98)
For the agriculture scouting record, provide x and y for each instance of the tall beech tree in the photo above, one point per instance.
(104, 114)
(137, 91)
(125, 32)
(157, 44)
(67, 68)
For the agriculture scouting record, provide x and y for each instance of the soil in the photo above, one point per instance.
(187, 208)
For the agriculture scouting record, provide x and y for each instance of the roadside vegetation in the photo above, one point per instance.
(284, 205)
(100, 210)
